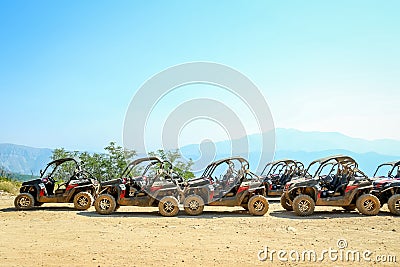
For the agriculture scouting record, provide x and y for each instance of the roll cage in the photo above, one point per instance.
(394, 164)
(339, 161)
(57, 163)
(244, 166)
(164, 165)
(288, 166)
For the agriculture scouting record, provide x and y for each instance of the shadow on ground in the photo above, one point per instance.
(12, 209)
(318, 215)
(181, 214)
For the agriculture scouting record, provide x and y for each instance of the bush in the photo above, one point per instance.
(9, 186)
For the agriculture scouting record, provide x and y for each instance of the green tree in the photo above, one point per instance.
(174, 156)
(111, 164)
(103, 166)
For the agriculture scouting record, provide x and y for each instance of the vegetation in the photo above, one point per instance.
(8, 182)
(111, 164)
(173, 156)
(9, 185)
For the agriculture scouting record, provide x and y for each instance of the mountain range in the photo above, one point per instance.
(290, 143)
(23, 159)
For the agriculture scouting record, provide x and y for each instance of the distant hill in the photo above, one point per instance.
(23, 159)
(305, 147)
(295, 140)
(290, 143)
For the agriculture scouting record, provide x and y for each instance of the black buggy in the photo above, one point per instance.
(227, 182)
(62, 181)
(387, 185)
(331, 181)
(278, 173)
(146, 182)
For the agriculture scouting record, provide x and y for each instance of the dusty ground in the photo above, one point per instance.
(57, 235)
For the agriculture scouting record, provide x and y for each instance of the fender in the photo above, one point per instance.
(78, 189)
(110, 188)
(240, 200)
(26, 189)
(153, 197)
(105, 189)
(171, 191)
(292, 193)
(367, 189)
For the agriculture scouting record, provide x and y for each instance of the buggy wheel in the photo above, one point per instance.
(168, 206)
(368, 204)
(394, 204)
(258, 205)
(303, 205)
(193, 205)
(105, 204)
(83, 201)
(285, 203)
(350, 207)
(24, 201)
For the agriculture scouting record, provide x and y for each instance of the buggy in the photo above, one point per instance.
(236, 186)
(80, 186)
(336, 181)
(277, 173)
(387, 185)
(145, 182)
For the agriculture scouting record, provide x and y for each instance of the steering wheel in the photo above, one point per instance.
(325, 181)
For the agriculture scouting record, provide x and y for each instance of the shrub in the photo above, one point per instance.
(9, 186)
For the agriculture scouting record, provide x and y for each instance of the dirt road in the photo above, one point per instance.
(57, 235)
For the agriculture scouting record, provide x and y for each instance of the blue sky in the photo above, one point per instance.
(68, 69)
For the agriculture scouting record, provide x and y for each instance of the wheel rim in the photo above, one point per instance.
(369, 205)
(169, 206)
(193, 205)
(304, 205)
(83, 201)
(24, 202)
(258, 205)
(397, 205)
(104, 204)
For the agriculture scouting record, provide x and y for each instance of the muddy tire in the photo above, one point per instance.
(258, 205)
(303, 205)
(368, 204)
(285, 203)
(24, 201)
(350, 207)
(105, 204)
(168, 206)
(394, 204)
(83, 201)
(193, 205)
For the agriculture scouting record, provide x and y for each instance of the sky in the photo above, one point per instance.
(69, 69)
